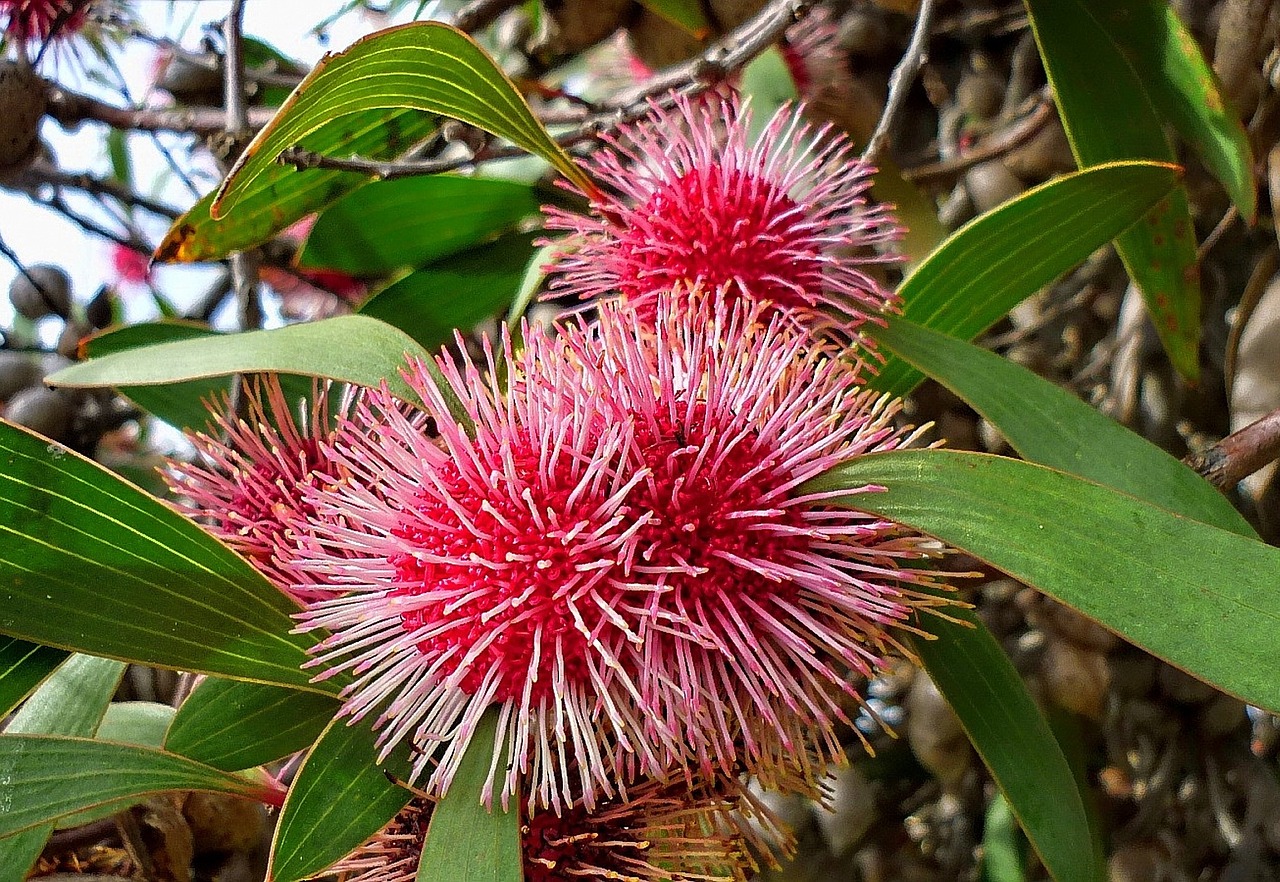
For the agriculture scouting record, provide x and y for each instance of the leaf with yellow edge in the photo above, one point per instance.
(427, 66)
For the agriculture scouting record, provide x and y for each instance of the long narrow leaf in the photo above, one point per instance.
(465, 841)
(427, 66)
(48, 776)
(996, 261)
(234, 725)
(91, 563)
(1050, 426)
(23, 666)
(1202, 598)
(1109, 115)
(339, 799)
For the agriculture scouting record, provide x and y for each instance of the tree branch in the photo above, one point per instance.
(71, 109)
(904, 74)
(1240, 454)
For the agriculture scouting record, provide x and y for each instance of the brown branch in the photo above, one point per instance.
(42, 174)
(71, 109)
(1240, 454)
(720, 59)
(904, 74)
(723, 57)
(1001, 143)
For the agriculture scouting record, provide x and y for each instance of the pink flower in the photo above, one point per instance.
(490, 568)
(248, 488)
(38, 20)
(130, 267)
(616, 551)
(761, 597)
(696, 204)
(658, 833)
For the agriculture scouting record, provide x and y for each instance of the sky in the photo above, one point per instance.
(39, 235)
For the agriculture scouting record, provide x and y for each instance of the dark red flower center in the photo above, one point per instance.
(515, 561)
(718, 226)
(561, 848)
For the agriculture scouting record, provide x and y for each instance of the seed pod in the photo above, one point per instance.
(42, 290)
(23, 97)
(659, 43)
(852, 809)
(1076, 678)
(41, 410)
(991, 184)
(17, 371)
(934, 732)
(72, 333)
(573, 25)
(191, 83)
(98, 311)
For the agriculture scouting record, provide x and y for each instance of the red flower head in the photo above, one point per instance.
(249, 486)
(658, 833)
(696, 204)
(32, 21)
(487, 566)
(761, 597)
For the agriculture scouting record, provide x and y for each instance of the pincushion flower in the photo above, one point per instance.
(467, 570)
(247, 485)
(763, 597)
(689, 201)
(659, 832)
(39, 20)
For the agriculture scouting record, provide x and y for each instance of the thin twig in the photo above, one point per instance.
(71, 109)
(904, 74)
(1240, 454)
(720, 60)
(40, 174)
(999, 144)
(237, 105)
(1220, 228)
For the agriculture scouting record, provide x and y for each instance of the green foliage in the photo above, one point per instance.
(996, 261)
(466, 841)
(232, 725)
(1105, 553)
(339, 799)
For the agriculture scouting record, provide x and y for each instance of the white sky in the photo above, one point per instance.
(38, 235)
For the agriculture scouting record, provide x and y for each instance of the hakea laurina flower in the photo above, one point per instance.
(487, 568)
(34, 21)
(659, 832)
(248, 483)
(763, 597)
(617, 553)
(692, 202)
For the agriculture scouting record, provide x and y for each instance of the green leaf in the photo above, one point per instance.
(1108, 115)
(996, 261)
(1001, 855)
(413, 221)
(685, 14)
(1012, 737)
(280, 195)
(428, 66)
(1184, 89)
(455, 293)
(91, 563)
(465, 841)
(768, 84)
(1201, 598)
(178, 404)
(23, 666)
(136, 722)
(49, 776)
(233, 725)
(71, 702)
(351, 349)
(1049, 425)
(339, 799)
